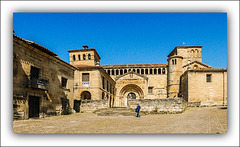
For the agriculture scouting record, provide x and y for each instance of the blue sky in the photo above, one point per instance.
(127, 38)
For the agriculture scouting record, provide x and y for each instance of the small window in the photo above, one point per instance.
(79, 57)
(163, 71)
(150, 71)
(146, 71)
(85, 79)
(172, 62)
(142, 71)
(74, 58)
(175, 61)
(109, 72)
(113, 72)
(125, 71)
(159, 71)
(150, 89)
(133, 70)
(117, 72)
(64, 82)
(84, 57)
(138, 71)
(209, 77)
(121, 71)
(129, 70)
(89, 57)
(155, 71)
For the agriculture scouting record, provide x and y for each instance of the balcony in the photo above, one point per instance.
(37, 83)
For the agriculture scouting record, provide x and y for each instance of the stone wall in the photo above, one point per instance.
(171, 105)
(92, 105)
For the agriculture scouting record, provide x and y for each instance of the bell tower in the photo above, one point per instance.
(84, 57)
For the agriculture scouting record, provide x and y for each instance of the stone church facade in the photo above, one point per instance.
(87, 85)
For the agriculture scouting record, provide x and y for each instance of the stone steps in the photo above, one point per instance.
(115, 112)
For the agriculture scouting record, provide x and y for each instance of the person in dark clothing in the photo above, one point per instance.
(138, 109)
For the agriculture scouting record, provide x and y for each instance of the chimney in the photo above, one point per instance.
(85, 47)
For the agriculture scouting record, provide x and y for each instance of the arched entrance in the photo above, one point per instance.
(130, 91)
(85, 95)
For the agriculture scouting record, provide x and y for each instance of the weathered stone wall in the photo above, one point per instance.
(92, 105)
(51, 71)
(199, 90)
(171, 105)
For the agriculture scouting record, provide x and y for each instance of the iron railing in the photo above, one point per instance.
(37, 83)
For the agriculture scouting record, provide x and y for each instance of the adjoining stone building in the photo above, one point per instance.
(93, 87)
(42, 82)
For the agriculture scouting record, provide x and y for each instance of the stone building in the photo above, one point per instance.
(93, 87)
(42, 82)
(184, 75)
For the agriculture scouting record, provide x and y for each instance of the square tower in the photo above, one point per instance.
(189, 53)
(84, 57)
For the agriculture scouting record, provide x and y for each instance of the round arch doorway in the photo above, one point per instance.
(130, 91)
(85, 95)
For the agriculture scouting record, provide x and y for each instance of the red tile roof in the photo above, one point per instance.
(133, 65)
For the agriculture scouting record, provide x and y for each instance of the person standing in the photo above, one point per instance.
(137, 110)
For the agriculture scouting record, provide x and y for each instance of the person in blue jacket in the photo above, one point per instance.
(138, 109)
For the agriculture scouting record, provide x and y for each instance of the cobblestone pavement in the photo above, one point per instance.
(193, 120)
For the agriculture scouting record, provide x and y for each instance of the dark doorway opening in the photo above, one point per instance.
(85, 95)
(76, 105)
(34, 105)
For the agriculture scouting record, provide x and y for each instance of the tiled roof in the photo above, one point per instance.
(133, 65)
(208, 69)
(41, 48)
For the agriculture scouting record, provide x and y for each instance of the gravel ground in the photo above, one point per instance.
(193, 120)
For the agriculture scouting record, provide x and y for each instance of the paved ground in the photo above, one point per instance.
(193, 120)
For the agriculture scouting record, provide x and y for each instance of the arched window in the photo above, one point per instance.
(146, 71)
(89, 57)
(138, 71)
(74, 58)
(163, 71)
(155, 71)
(85, 95)
(109, 72)
(159, 71)
(129, 70)
(142, 71)
(84, 57)
(121, 71)
(172, 62)
(79, 57)
(131, 95)
(196, 52)
(125, 70)
(175, 61)
(192, 53)
(113, 72)
(133, 70)
(117, 72)
(150, 71)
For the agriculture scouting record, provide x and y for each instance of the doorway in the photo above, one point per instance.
(34, 106)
